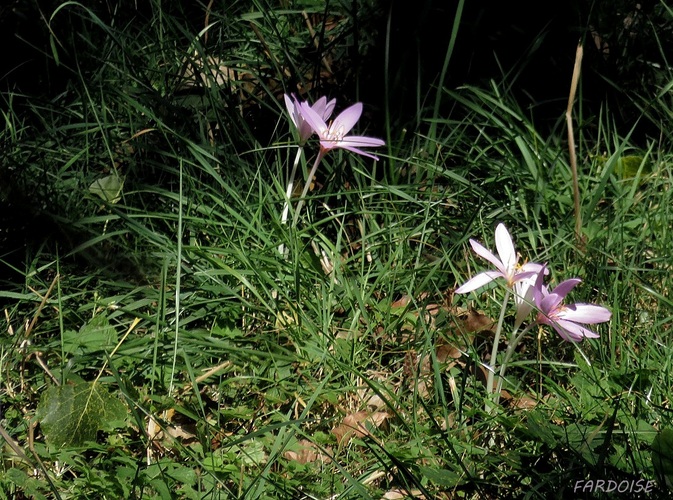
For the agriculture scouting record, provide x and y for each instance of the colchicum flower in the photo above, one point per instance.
(567, 320)
(524, 296)
(334, 135)
(321, 107)
(507, 266)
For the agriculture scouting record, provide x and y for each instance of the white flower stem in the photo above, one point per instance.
(306, 187)
(513, 342)
(290, 186)
(288, 194)
(494, 353)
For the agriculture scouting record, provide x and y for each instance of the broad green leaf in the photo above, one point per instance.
(627, 167)
(96, 335)
(662, 457)
(442, 477)
(252, 453)
(28, 485)
(72, 414)
(109, 188)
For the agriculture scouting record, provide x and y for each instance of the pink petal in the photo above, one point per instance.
(313, 119)
(482, 251)
(585, 313)
(534, 267)
(549, 304)
(352, 143)
(572, 331)
(347, 119)
(523, 298)
(524, 275)
(329, 109)
(360, 141)
(291, 109)
(506, 251)
(563, 288)
(358, 151)
(323, 108)
(478, 281)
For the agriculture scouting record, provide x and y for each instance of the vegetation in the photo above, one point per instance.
(157, 344)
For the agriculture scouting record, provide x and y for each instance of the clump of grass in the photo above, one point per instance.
(346, 369)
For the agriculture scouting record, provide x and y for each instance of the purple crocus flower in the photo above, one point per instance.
(321, 107)
(507, 265)
(567, 320)
(334, 136)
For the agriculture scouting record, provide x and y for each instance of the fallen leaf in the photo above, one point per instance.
(521, 402)
(399, 493)
(355, 425)
(307, 452)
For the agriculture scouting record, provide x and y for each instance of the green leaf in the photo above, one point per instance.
(252, 453)
(71, 414)
(662, 457)
(94, 336)
(441, 477)
(109, 188)
(627, 167)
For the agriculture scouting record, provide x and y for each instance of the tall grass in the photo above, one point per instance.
(346, 369)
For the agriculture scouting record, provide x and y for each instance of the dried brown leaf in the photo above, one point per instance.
(399, 493)
(355, 425)
(476, 322)
(521, 402)
(307, 452)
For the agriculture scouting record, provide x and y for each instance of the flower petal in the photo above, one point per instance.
(482, 251)
(506, 251)
(354, 150)
(313, 119)
(329, 109)
(524, 275)
(573, 332)
(563, 288)
(353, 143)
(478, 281)
(549, 303)
(323, 108)
(346, 120)
(290, 105)
(524, 291)
(535, 267)
(539, 289)
(360, 141)
(585, 313)
(319, 106)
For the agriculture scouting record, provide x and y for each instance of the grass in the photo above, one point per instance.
(347, 369)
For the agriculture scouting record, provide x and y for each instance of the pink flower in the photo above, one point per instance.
(524, 296)
(507, 266)
(334, 135)
(321, 107)
(567, 320)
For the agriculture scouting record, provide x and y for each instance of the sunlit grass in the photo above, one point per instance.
(346, 368)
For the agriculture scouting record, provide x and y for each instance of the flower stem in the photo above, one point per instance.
(494, 352)
(288, 194)
(290, 186)
(306, 187)
(513, 342)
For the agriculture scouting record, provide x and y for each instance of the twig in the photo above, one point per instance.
(41, 306)
(14, 445)
(571, 141)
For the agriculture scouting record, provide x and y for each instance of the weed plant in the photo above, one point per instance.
(156, 343)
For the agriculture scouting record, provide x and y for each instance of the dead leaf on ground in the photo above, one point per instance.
(400, 493)
(355, 425)
(307, 452)
(520, 402)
